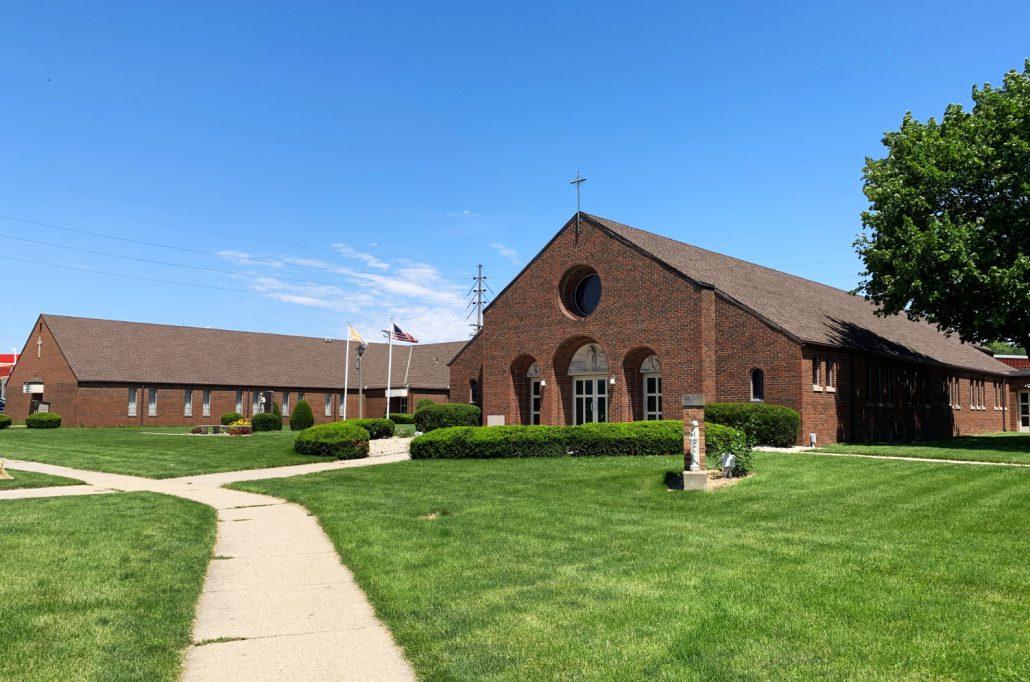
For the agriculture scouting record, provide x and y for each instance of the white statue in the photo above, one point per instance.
(695, 446)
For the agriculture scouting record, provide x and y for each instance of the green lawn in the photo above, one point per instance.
(29, 479)
(154, 453)
(998, 447)
(101, 587)
(587, 568)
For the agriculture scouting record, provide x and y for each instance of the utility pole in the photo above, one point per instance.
(478, 294)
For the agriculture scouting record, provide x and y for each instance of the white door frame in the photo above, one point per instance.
(1023, 403)
(597, 380)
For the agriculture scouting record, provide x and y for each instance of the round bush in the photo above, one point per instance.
(302, 417)
(377, 428)
(5, 421)
(402, 418)
(230, 417)
(425, 402)
(722, 439)
(43, 420)
(764, 424)
(339, 439)
(266, 422)
(443, 415)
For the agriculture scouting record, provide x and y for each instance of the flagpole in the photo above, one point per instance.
(346, 373)
(389, 368)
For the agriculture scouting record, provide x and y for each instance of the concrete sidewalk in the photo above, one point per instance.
(277, 604)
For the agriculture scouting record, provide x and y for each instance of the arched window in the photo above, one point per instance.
(473, 392)
(757, 385)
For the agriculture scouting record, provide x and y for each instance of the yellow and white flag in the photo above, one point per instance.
(353, 335)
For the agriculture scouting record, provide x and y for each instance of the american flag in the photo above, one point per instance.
(401, 335)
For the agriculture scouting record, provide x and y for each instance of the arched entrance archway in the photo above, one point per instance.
(525, 384)
(588, 371)
(642, 371)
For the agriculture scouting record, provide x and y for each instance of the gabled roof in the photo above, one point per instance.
(135, 352)
(808, 311)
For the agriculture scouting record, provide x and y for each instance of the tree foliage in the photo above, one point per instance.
(947, 234)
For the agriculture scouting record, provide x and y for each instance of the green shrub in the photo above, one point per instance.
(402, 418)
(589, 440)
(230, 417)
(5, 421)
(722, 439)
(342, 440)
(425, 402)
(302, 417)
(278, 412)
(764, 424)
(377, 428)
(265, 421)
(43, 420)
(632, 438)
(443, 415)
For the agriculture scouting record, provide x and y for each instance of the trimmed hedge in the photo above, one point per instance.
(402, 418)
(5, 421)
(588, 440)
(764, 424)
(377, 428)
(722, 439)
(425, 402)
(301, 417)
(342, 440)
(230, 417)
(266, 421)
(43, 420)
(443, 415)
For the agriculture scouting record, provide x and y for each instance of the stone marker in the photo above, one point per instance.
(695, 475)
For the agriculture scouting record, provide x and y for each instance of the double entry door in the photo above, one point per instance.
(590, 399)
(1024, 411)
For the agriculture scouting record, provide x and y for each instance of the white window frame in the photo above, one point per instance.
(286, 403)
(652, 415)
(152, 402)
(187, 402)
(340, 402)
(239, 401)
(751, 384)
(831, 371)
(328, 404)
(207, 402)
(133, 397)
(255, 402)
(817, 366)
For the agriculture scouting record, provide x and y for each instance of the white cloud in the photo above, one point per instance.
(245, 258)
(416, 294)
(507, 252)
(368, 259)
(464, 214)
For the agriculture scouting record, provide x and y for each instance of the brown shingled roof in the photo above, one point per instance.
(111, 351)
(809, 311)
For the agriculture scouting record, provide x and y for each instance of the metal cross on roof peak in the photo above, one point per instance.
(577, 182)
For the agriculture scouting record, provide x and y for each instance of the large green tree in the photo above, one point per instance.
(947, 233)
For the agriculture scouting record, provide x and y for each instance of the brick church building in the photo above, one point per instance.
(109, 373)
(612, 323)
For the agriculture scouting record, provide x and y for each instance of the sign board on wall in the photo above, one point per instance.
(397, 393)
(32, 387)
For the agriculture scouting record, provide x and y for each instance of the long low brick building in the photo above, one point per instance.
(612, 323)
(108, 373)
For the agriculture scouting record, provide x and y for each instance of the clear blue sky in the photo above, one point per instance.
(349, 161)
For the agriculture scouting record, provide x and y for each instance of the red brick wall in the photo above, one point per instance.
(60, 387)
(644, 308)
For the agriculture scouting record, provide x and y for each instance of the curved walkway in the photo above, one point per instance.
(277, 604)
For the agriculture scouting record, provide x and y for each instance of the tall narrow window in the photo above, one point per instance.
(831, 378)
(300, 396)
(757, 385)
(402, 404)
(653, 397)
(132, 401)
(187, 403)
(286, 403)
(207, 402)
(534, 401)
(152, 403)
(255, 403)
(239, 401)
(341, 401)
(816, 384)
(328, 404)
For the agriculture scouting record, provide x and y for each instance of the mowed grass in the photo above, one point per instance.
(576, 569)
(101, 587)
(30, 479)
(153, 453)
(1013, 448)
